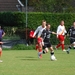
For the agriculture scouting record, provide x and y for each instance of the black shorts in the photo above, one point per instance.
(72, 40)
(46, 45)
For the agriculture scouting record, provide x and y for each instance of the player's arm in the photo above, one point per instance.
(1, 42)
(36, 31)
(58, 29)
(3, 34)
(54, 33)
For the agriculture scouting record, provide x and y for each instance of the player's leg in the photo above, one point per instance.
(0, 52)
(51, 52)
(69, 48)
(74, 44)
(45, 49)
(61, 38)
(40, 50)
(62, 46)
(59, 44)
(39, 41)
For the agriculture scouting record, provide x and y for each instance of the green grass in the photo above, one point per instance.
(26, 62)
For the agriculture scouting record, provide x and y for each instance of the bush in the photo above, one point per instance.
(12, 19)
(23, 47)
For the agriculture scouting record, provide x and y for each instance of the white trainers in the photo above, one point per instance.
(1, 61)
(64, 50)
(53, 58)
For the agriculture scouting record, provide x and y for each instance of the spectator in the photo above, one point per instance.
(31, 39)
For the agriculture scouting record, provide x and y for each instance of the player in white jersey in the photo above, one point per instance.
(61, 35)
(38, 31)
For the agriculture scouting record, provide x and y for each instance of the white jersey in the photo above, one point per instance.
(38, 31)
(60, 29)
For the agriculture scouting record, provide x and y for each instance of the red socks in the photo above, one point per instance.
(58, 45)
(62, 45)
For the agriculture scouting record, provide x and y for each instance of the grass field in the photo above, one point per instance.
(26, 62)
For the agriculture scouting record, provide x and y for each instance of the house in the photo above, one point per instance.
(11, 5)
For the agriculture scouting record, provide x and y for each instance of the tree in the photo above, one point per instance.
(62, 5)
(51, 5)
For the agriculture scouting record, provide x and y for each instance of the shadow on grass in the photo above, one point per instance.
(28, 58)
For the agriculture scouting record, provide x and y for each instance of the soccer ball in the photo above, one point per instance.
(53, 58)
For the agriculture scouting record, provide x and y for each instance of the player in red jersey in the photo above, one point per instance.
(31, 39)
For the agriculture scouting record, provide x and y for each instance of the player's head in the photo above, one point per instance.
(43, 23)
(62, 23)
(48, 26)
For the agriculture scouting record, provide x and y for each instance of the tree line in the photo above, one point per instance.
(54, 6)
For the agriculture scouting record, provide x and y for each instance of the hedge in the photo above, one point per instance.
(34, 20)
(12, 19)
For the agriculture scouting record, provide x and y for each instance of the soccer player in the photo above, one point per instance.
(38, 32)
(46, 38)
(71, 32)
(2, 33)
(61, 35)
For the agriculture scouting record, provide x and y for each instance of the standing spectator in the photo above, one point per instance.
(31, 39)
(61, 35)
(38, 31)
(71, 32)
(2, 33)
(46, 38)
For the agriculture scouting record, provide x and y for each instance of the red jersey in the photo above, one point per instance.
(31, 34)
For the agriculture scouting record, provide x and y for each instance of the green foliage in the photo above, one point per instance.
(12, 19)
(51, 5)
(23, 47)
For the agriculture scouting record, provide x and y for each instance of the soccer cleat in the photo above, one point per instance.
(64, 50)
(40, 56)
(67, 52)
(44, 52)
